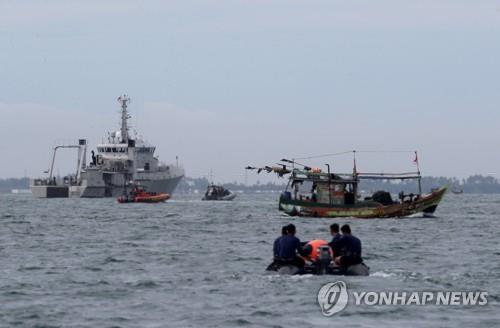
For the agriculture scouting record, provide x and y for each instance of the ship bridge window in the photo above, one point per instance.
(146, 150)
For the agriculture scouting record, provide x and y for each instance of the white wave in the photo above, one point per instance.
(382, 274)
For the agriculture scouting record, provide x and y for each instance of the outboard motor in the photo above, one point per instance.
(324, 260)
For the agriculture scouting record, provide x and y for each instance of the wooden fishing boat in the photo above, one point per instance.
(141, 196)
(426, 204)
(313, 193)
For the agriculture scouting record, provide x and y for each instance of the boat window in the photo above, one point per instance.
(339, 187)
(305, 189)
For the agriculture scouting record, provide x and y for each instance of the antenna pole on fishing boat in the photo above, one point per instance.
(329, 185)
(419, 179)
(355, 173)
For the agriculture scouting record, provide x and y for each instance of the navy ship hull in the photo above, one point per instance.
(114, 186)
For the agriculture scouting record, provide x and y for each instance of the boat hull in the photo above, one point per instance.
(426, 204)
(229, 197)
(49, 191)
(353, 270)
(145, 199)
(166, 185)
(94, 186)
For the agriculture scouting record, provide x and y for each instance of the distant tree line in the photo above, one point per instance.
(6, 185)
(473, 184)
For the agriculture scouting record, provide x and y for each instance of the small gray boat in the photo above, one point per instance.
(215, 192)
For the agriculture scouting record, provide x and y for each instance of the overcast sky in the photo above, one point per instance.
(227, 83)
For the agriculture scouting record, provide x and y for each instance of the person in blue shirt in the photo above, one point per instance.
(334, 231)
(290, 248)
(276, 245)
(349, 248)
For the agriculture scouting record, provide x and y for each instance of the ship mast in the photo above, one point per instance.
(124, 101)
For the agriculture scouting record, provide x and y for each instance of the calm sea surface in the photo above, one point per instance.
(188, 263)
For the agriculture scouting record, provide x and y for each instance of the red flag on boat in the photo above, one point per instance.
(415, 161)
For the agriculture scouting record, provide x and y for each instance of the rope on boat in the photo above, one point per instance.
(355, 152)
(326, 155)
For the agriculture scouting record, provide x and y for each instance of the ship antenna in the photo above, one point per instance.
(124, 101)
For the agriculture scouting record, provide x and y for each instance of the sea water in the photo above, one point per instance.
(189, 263)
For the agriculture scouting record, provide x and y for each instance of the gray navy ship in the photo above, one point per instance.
(119, 165)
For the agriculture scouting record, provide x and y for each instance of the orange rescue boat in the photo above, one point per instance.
(141, 196)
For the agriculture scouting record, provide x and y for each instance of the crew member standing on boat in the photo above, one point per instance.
(349, 248)
(290, 248)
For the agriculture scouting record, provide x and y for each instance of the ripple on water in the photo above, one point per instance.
(144, 284)
(383, 274)
(238, 322)
(111, 259)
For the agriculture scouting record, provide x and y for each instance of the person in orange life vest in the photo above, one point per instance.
(310, 249)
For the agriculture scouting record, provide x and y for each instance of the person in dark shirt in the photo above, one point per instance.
(290, 248)
(276, 251)
(334, 231)
(349, 248)
(276, 245)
